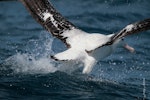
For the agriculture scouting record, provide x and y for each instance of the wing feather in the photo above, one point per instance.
(45, 14)
(132, 29)
(128, 30)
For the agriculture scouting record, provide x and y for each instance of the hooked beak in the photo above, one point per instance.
(131, 49)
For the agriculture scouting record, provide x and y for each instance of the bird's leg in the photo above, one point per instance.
(88, 65)
(131, 49)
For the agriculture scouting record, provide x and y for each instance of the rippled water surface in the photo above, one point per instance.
(27, 72)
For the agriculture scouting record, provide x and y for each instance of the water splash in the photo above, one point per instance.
(144, 89)
(24, 63)
(36, 58)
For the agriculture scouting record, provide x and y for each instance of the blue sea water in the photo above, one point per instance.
(27, 72)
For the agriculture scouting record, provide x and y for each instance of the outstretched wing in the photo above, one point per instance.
(131, 29)
(128, 30)
(49, 18)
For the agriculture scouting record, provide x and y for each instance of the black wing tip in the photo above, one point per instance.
(53, 57)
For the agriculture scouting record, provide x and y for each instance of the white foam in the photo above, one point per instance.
(24, 63)
(27, 64)
(37, 59)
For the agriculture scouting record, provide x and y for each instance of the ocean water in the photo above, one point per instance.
(27, 72)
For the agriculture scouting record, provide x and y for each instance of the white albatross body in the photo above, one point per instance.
(83, 47)
(83, 42)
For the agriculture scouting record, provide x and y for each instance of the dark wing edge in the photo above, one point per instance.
(128, 30)
(131, 29)
(45, 14)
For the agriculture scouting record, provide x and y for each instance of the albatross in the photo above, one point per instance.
(81, 46)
